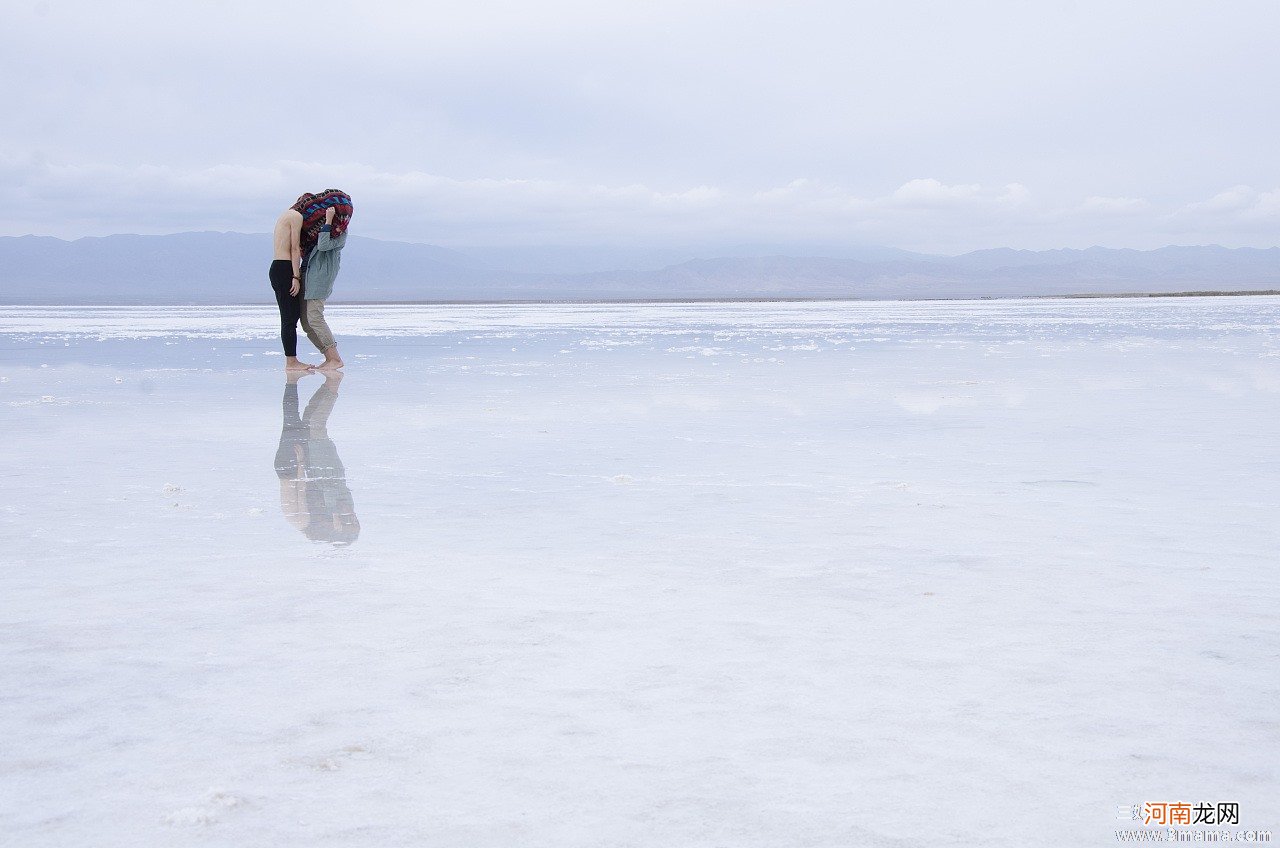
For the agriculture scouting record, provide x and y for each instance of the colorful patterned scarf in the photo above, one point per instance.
(313, 206)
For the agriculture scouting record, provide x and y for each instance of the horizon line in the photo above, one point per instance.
(657, 301)
(656, 247)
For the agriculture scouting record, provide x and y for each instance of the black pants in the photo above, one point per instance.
(281, 275)
(292, 433)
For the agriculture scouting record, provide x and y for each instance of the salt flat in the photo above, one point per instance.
(826, 574)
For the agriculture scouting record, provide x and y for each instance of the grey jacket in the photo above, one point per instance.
(322, 266)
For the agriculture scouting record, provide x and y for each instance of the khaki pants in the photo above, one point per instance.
(313, 324)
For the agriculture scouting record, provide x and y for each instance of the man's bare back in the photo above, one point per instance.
(288, 236)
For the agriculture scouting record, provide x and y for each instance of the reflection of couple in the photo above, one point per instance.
(309, 237)
(313, 484)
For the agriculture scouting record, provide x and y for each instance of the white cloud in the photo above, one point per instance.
(1015, 194)
(1233, 199)
(1237, 212)
(1267, 205)
(923, 213)
(930, 192)
(1115, 205)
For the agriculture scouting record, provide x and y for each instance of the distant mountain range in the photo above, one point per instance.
(219, 268)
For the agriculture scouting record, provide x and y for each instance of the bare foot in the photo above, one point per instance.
(293, 376)
(292, 363)
(332, 362)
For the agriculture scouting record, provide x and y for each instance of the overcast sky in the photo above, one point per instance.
(938, 126)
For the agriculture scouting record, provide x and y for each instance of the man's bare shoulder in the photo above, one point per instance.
(288, 231)
(289, 219)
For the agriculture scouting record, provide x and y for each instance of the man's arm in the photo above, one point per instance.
(295, 251)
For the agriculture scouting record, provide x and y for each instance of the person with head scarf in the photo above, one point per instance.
(324, 234)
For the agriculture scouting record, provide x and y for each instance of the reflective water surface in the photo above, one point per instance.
(749, 574)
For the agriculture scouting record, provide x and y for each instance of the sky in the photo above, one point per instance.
(935, 126)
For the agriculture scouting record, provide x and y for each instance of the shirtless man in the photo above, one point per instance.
(286, 282)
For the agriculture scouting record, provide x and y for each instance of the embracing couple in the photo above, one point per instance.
(309, 238)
